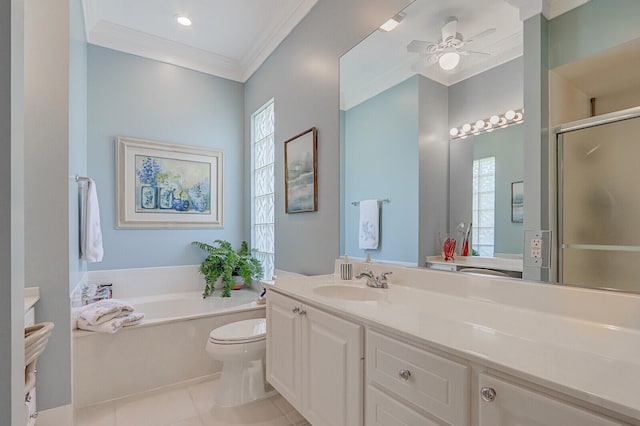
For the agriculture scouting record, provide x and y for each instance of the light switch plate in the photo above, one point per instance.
(537, 249)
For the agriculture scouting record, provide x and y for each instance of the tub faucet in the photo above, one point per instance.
(372, 280)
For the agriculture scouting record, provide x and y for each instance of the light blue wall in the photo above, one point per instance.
(46, 178)
(507, 146)
(77, 134)
(381, 154)
(493, 92)
(12, 213)
(136, 97)
(302, 76)
(591, 28)
(434, 166)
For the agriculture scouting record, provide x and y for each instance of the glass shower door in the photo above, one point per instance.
(599, 205)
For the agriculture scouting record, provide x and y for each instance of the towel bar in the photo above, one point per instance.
(385, 200)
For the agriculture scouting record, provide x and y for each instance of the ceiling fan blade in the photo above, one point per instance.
(449, 28)
(472, 52)
(417, 46)
(480, 35)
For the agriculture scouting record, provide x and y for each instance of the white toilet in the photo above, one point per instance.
(241, 346)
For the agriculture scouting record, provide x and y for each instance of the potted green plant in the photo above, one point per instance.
(223, 262)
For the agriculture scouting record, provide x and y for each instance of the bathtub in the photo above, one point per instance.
(166, 348)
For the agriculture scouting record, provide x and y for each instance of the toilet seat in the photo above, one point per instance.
(240, 332)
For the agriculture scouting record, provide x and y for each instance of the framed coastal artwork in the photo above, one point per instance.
(301, 172)
(517, 202)
(161, 185)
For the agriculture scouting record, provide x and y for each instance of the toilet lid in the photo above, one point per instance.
(240, 331)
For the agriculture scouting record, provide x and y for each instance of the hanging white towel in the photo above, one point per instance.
(369, 224)
(91, 248)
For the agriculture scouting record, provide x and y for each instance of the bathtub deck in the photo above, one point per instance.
(189, 405)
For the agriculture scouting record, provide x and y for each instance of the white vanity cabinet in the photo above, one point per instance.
(506, 404)
(315, 360)
(401, 376)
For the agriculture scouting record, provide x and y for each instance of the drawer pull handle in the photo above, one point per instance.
(296, 309)
(488, 394)
(404, 374)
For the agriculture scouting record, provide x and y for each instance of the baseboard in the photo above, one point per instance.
(59, 416)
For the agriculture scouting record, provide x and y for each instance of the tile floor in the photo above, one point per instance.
(190, 405)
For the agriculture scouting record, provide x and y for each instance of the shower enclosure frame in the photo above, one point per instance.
(556, 214)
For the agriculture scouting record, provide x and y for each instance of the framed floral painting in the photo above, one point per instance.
(161, 185)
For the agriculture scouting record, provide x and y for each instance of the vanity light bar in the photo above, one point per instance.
(488, 124)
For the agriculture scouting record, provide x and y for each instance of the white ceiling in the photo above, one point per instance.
(381, 60)
(228, 38)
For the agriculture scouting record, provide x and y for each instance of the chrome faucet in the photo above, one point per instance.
(372, 280)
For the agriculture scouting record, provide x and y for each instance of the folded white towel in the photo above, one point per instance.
(105, 310)
(369, 224)
(91, 244)
(113, 324)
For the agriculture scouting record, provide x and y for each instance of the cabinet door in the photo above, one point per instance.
(514, 405)
(284, 366)
(332, 365)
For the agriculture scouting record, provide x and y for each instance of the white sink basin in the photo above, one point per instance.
(349, 293)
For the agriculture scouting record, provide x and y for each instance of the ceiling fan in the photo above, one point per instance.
(451, 46)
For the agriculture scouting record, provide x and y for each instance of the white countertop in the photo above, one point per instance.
(31, 296)
(554, 336)
(502, 263)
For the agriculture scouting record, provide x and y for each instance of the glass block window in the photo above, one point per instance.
(483, 211)
(262, 208)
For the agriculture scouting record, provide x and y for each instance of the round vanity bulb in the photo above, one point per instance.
(449, 60)
(479, 124)
(494, 119)
(518, 117)
(466, 127)
(183, 20)
(453, 131)
(509, 115)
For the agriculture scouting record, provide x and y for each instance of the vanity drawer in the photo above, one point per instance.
(436, 384)
(382, 410)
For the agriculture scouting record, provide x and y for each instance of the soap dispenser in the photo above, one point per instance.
(346, 268)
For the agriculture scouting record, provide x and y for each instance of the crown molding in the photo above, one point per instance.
(118, 37)
(549, 8)
(555, 8)
(272, 37)
(138, 43)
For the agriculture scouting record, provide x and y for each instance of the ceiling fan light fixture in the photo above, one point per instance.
(449, 60)
(183, 20)
(393, 22)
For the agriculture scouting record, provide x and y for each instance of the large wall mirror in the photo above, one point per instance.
(399, 101)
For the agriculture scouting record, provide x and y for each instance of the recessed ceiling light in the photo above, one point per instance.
(183, 20)
(393, 22)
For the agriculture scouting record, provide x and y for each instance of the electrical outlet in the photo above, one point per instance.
(537, 249)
